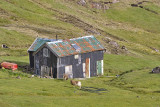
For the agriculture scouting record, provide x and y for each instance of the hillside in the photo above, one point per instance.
(128, 29)
(114, 23)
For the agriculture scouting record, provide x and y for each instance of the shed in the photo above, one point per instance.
(35, 45)
(78, 58)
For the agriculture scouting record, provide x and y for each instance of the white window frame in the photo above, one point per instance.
(76, 56)
(102, 66)
(84, 70)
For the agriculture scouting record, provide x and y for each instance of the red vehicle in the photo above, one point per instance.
(9, 65)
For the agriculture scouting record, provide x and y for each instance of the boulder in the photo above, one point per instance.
(82, 2)
(156, 70)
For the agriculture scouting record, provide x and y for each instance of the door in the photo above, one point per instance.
(87, 68)
(68, 71)
(84, 70)
(37, 67)
(45, 71)
(100, 67)
(51, 72)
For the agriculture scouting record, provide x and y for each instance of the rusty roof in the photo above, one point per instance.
(39, 42)
(75, 46)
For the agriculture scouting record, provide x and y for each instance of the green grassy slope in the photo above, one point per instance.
(44, 92)
(136, 28)
(138, 88)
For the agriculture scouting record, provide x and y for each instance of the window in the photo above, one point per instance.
(46, 52)
(68, 71)
(76, 56)
(76, 47)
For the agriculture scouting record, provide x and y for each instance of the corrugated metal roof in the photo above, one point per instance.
(39, 42)
(83, 45)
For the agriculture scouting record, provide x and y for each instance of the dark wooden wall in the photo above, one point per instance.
(31, 59)
(46, 61)
(58, 64)
(77, 68)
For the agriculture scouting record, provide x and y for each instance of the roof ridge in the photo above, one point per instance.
(58, 41)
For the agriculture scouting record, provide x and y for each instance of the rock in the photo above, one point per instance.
(117, 75)
(4, 46)
(99, 5)
(82, 2)
(18, 77)
(124, 48)
(47, 77)
(114, 43)
(154, 49)
(138, 96)
(31, 76)
(156, 70)
(115, 1)
(134, 5)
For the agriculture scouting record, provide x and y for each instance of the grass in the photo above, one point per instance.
(116, 64)
(46, 92)
(17, 42)
(59, 93)
(137, 17)
(135, 81)
(34, 14)
(20, 60)
(4, 21)
(138, 41)
(138, 28)
(9, 37)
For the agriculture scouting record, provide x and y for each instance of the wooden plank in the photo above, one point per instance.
(87, 68)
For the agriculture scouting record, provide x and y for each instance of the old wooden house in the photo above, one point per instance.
(37, 44)
(78, 57)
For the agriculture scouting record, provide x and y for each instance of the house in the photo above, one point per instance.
(37, 44)
(78, 57)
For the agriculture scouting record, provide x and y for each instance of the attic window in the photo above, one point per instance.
(46, 52)
(76, 47)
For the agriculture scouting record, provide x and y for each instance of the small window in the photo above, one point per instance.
(76, 47)
(76, 56)
(46, 52)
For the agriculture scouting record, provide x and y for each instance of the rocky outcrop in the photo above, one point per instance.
(139, 4)
(101, 5)
(112, 47)
(82, 2)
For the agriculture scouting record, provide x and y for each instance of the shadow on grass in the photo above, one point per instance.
(156, 91)
(94, 90)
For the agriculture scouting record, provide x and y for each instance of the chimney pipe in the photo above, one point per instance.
(56, 37)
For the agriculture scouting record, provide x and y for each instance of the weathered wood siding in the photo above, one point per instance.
(77, 65)
(31, 59)
(50, 62)
(57, 65)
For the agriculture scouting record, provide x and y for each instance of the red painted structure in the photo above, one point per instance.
(9, 65)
